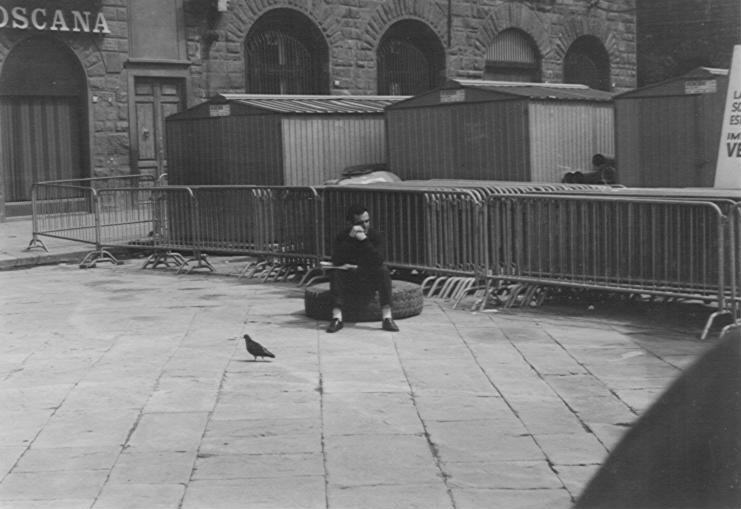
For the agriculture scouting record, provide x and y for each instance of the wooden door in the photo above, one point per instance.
(41, 140)
(43, 119)
(155, 99)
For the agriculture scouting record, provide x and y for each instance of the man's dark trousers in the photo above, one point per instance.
(360, 282)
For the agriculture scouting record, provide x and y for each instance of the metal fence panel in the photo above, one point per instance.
(658, 246)
(426, 229)
(64, 211)
(258, 220)
(125, 216)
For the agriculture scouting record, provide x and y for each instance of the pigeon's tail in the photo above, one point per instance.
(268, 353)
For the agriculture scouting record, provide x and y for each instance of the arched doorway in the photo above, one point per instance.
(411, 59)
(588, 63)
(43, 119)
(285, 53)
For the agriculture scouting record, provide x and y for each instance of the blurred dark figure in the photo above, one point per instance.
(603, 172)
(685, 451)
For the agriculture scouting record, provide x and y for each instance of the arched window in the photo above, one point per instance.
(512, 56)
(411, 59)
(286, 54)
(43, 116)
(587, 63)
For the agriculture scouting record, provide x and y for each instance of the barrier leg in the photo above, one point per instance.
(439, 281)
(488, 293)
(252, 268)
(201, 263)
(428, 281)
(99, 255)
(709, 323)
(164, 258)
(311, 275)
(36, 243)
(273, 269)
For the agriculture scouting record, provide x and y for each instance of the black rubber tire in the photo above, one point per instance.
(406, 300)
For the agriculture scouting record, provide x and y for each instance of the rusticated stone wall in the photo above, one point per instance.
(353, 30)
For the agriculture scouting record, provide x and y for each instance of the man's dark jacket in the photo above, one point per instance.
(366, 254)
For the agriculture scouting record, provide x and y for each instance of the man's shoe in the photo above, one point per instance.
(389, 325)
(335, 325)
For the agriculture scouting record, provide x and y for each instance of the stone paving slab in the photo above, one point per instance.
(55, 459)
(139, 496)
(513, 474)
(304, 492)
(369, 413)
(45, 485)
(391, 496)
(258, 466)
(123, 388)
(512, 499)
(380, 459)
(137, 466)
(482, 440)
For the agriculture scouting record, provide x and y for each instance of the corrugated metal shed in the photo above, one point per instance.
(667, 134)
(492, 130)
(275, 139)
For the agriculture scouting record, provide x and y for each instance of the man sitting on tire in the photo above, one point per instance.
(362, 246)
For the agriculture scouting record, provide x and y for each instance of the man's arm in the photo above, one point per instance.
(373, 248)
(368, 252)
(341, 249)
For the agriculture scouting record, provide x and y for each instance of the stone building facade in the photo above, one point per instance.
(85, 85)
(354, 29)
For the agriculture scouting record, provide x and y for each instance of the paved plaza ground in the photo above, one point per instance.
(123, 387)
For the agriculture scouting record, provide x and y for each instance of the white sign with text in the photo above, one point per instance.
(728, 167)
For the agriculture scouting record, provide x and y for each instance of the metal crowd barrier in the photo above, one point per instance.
(672, 248)
(280, 225)
(684, 245)
(425, 229)
(734, 221)
(122, 216)
(140, 218)
(175, 229)
(66, 209)
(63, 211)
(98, 183)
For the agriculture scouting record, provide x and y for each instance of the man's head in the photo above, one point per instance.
(358, 215)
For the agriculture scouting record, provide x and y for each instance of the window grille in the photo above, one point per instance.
(587, 63)
(403, 69)
(278, 63)
(411, 59)
(512, 56)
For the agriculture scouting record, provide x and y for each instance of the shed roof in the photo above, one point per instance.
(485, 91)
(313, 104)
(678, 84)
(556, 91)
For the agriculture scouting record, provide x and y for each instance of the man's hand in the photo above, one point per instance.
(358, 232)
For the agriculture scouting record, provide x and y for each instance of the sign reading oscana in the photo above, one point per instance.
(57, 20)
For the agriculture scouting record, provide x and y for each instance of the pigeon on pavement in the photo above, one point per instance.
(256, 349)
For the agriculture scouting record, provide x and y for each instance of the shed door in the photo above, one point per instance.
(155, 100)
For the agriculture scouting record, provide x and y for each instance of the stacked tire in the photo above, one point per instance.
(406, 300)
